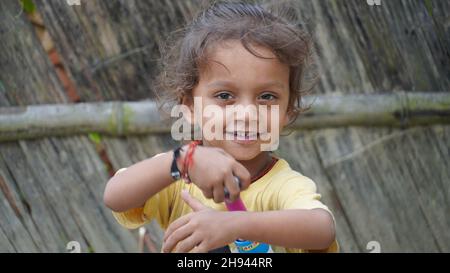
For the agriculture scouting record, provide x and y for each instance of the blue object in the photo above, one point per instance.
(252, 247)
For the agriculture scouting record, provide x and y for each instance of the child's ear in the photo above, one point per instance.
(287, 118)
(188, 101)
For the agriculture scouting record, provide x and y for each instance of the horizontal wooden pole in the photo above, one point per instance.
(399, 109)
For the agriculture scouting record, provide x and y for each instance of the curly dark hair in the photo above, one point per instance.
(252, 24)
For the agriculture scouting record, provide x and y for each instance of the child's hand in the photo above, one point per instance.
(213, 169)
(200, 231)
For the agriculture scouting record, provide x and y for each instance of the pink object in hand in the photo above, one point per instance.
(237, 205)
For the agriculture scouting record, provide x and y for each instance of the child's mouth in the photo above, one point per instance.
(242, 136)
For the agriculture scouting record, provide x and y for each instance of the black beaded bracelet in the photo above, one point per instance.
(174, 171)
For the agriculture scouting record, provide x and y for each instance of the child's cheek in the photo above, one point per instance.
(213, 121)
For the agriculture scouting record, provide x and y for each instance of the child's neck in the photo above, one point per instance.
(258, 164)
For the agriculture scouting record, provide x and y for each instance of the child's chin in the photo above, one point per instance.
(243, 154)
(238, 152)
(244, 158)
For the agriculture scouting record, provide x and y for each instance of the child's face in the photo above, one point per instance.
(235, 77)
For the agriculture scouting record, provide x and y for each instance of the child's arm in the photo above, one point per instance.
(208, 229)
(132, 187)
(213, 169)
(311, 229)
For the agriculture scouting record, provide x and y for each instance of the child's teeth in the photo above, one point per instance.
(243, 135)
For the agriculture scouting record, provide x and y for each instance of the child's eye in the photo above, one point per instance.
(224, 96)
(268, 96)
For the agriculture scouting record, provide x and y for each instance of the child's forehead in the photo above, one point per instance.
(234, 50)
(232, 59)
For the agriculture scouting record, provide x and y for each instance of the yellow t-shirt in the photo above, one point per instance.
(280, 188)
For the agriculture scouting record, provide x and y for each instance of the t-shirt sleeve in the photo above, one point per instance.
(299, 193)
(157, 207)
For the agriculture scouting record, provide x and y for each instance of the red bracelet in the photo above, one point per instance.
(189, 160)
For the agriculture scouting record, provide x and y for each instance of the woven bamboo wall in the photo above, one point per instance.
(388, 185)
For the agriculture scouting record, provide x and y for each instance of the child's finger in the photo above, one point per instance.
(120, 170)
(192, 202)
(232, 187)
(187, 244)
(242, 173)
(176, 224)
(219, 194)
(208, 193)
(201, 248)
(177, 236)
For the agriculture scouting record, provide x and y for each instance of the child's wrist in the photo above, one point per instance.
(188, 160)
(239, 224)
(180, 161)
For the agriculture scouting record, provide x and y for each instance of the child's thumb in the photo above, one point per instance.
(192, 202)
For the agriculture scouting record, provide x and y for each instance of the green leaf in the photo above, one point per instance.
(28, 6)
(95, 137)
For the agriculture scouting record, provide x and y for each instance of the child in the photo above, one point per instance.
(231, 54)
